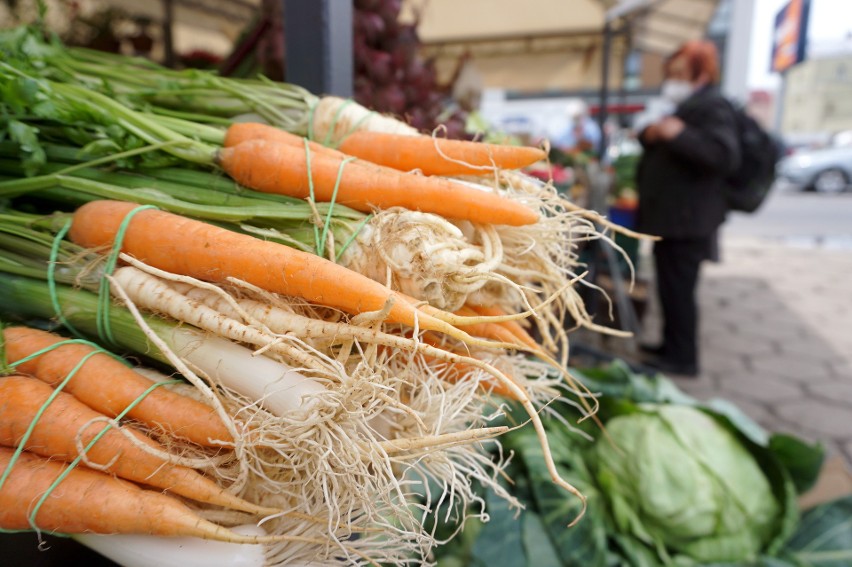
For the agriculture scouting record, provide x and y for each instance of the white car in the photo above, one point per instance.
(826, 170)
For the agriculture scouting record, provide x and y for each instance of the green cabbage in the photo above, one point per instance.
(678, 480)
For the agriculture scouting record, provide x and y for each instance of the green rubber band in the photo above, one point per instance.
(311, 194)
(5, 368)
(51, 281)
(103, 319)
(54, 346)
(334, 120)
(321, 249)
(28, 433)
(352, 237)
(355, 127)
(91, 444)
(311, 114)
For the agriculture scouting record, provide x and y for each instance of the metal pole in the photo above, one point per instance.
(602, 112)
(318, 45)
(168, 38)
(778, 119)
(737, 50)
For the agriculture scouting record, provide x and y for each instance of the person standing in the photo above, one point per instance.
(681, 180)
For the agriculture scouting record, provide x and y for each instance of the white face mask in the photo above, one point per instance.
(676, 90)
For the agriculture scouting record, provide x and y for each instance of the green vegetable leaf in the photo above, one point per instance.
(740, 421)
(802, 460)
(26, 136)
(539, 550)
(824, 537)
(499, 541)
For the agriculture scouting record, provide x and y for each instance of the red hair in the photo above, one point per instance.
(701, 57)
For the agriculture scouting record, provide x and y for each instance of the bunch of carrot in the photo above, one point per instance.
(346, 296)
(60, 404)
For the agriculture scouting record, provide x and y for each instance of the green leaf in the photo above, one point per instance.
(824, 537)
(740, 421)
(802, 460)
(27, 138)
(582, 544)
(539, 550)
(499, 541)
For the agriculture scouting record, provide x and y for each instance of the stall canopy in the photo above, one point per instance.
(551, 45)
(660, 26)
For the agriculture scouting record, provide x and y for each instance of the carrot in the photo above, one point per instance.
(495, 331)
(512, 326)
(437, 156)
(65, 418)
(455, 371)
(279, 168)
(88, 501)
(108, 386)
(194, 248)
(240, 132)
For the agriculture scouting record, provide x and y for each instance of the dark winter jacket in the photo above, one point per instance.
(681, 182)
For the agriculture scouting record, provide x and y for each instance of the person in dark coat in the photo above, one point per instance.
(681, 181)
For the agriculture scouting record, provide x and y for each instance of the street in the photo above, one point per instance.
(798, 219)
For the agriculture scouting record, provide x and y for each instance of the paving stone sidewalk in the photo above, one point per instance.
(776, 338)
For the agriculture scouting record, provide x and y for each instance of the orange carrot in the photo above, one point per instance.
(493, 331)
(66, 418)
(512, 326)
(437, 156)
(455, 371)
(87, 501)
(240, 132)
(108, 386)
(280, 168)
(194, 248)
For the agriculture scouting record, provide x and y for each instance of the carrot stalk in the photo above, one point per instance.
(93, 502)
(107, 386)
(279, 168)
(437, 156)
(64, 418)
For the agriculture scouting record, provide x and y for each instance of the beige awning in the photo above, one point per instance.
(551, 45)
(534, 45)
(660, 26)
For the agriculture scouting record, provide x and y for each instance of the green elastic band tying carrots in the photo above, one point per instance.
(103, 320)
(4, 366)
(311, 196)
(91, 444)
(352, 236)
(44, 407)
(51, 281)
(328, 142)
(77, 367)
(320, 239)
(321, 249)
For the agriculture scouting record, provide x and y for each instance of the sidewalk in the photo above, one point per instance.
(776, 337)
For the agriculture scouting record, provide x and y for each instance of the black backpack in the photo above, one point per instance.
(760, 151)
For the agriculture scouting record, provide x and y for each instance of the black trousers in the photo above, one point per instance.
(678, 262)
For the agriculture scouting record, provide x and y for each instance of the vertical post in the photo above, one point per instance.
(318, 45)
(780, 105)
(738, 50)
(604, 93)
(168, 38)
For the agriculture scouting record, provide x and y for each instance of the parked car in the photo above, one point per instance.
(826, 170)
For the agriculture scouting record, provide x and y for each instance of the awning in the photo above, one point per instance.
(551, 45)
(660, 26)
